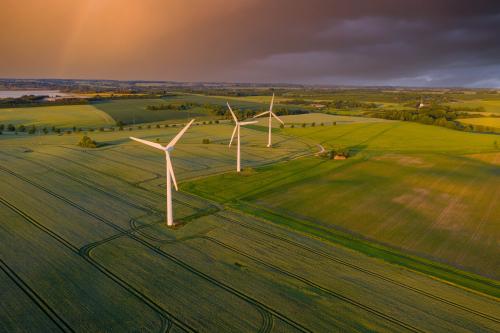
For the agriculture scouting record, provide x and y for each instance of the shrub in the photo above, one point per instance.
(282, 126)
(21, 128)
(216, 121)
(210, 122)
(206, 141)
(321, 124)
(157, 125)
(303, 124)
(11, 128)
(313, 124)
(32, 130)
(292, 126)
(2, 127)
(87, 142)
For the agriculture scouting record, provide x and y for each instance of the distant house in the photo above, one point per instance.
(319, 106)
(340, 157)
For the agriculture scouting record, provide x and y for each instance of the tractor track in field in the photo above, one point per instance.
(317, 286)
(164, 315)
(317, 252)
(361, 269)
(35, 298)
(265, 311)
(330, 292)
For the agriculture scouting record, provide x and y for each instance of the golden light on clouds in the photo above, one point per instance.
(311, 41)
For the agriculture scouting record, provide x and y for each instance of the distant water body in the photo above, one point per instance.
(19, 93)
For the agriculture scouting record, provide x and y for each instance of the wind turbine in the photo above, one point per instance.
(169, 169)
(271, 114)
(237, 129)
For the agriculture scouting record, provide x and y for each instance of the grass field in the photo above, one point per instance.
(412, 187)
(59, 116)
(484, 121)
(133, 111)
(317, 118)
(91, 222)
(489, 105)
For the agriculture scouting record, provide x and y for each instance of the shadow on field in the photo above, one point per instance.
(356, 149)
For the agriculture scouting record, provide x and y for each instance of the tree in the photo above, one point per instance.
(11, 128)
(87, 142)
(2, 127)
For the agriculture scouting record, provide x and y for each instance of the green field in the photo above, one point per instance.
(409, 186)
(60, 116)
(133, 111)
(317, 118)
(258, 252)
(491, 106)
(484, 121)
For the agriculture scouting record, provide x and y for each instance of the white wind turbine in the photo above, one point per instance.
(169, 169)
(271, 114)
(237, 129)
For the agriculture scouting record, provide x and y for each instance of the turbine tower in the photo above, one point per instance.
(237, 129)
(271, 114)
(169, 169)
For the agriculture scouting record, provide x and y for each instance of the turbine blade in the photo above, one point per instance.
(272, 102)
(178, 136)
(248, 122)
(232, 113)
(261, 114)
(277, 118)
(149, 143)
(232, 136)
(171, 171)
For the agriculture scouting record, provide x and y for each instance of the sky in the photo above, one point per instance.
(430, 43)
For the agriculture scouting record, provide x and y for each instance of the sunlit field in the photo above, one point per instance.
(410, 186)
(60, 116)
(493, 122)
(91, 221)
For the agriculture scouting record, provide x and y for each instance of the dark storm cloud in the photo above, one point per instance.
(432, 43)
(388, 42)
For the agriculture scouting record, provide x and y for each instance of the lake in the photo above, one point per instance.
(19, 93)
